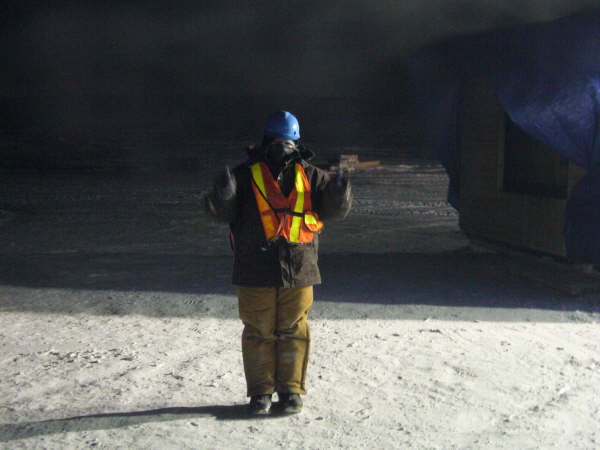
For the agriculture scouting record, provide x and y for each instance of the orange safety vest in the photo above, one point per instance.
(289, 217)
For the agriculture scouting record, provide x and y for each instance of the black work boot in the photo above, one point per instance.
(260, 404)
(289, 403)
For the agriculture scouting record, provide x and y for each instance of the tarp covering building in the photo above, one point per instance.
(547, 79)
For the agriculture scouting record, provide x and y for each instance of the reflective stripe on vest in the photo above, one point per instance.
(290, 217)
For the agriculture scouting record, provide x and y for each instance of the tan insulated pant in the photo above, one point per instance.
(275, 340)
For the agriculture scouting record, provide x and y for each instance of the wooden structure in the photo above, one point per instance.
(513, 188)
(350, 162)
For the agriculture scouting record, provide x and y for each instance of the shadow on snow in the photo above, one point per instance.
(451, 279)
(106, 421)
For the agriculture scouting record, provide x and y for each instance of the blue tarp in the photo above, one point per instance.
(547, 78)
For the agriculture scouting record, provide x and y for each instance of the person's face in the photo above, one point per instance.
(279, 150)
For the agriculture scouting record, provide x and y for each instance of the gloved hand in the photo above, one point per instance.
(340, 182)
(337, 197)
(226, 185)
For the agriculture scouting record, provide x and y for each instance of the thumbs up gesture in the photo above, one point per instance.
(226, 184)
(341, 181)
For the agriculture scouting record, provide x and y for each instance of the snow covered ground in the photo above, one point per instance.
(119, 329)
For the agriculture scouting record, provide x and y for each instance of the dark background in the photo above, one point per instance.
(89, 84)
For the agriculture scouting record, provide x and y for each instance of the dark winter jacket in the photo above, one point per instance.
(280, 263)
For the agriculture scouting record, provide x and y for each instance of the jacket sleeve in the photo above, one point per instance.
(333, 201)
(221, 201)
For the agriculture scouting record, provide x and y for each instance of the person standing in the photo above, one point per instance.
(276, 203)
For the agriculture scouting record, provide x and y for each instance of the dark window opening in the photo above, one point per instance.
(531, 167)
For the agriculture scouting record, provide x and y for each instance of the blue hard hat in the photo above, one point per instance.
(283, 125)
